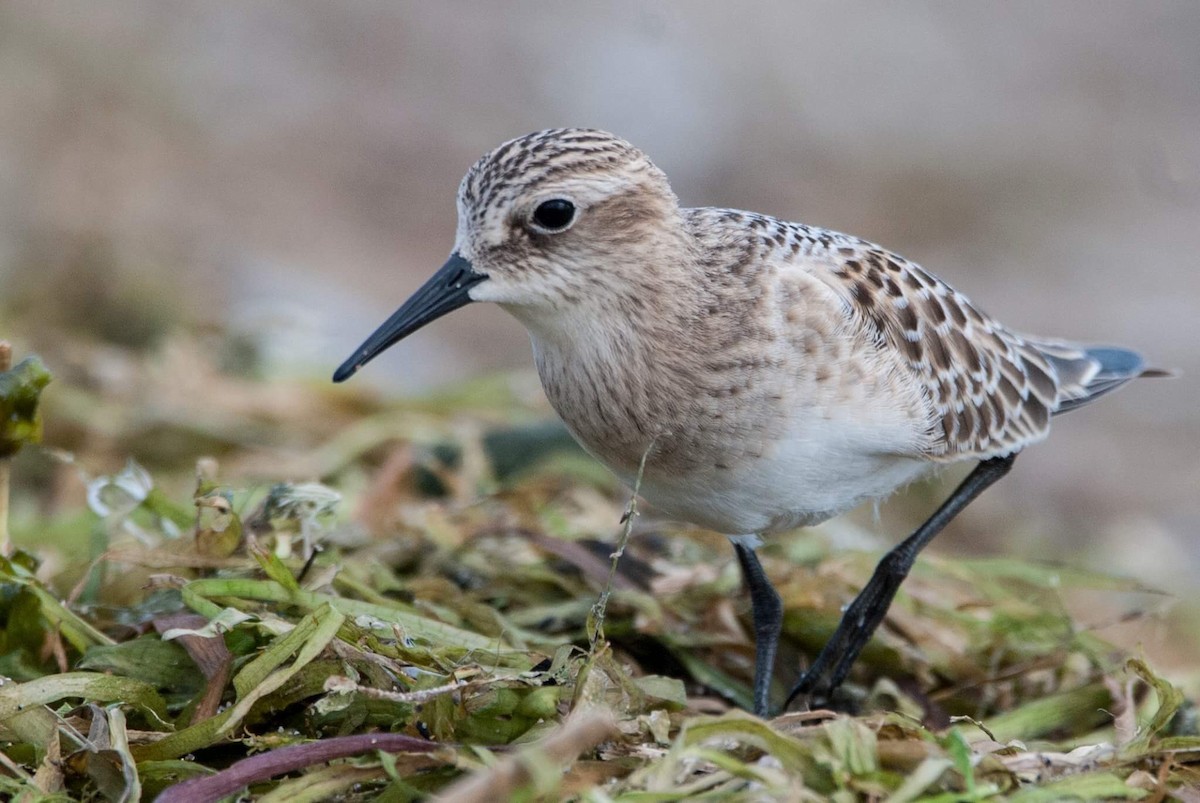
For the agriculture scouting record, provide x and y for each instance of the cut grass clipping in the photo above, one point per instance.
(443, 617)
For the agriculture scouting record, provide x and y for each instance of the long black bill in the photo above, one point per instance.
(445, 292)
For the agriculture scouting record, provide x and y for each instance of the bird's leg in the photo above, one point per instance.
(767, 611)
(868, 609)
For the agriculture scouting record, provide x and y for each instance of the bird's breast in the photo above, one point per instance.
(622, 404)
(737, 441)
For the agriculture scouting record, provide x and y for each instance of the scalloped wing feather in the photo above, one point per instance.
(992, 390)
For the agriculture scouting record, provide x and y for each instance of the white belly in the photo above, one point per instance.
(764, 498)
(817, 470)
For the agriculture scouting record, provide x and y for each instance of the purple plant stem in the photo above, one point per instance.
(288, 759)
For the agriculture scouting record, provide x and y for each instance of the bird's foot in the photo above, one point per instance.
(813, 692)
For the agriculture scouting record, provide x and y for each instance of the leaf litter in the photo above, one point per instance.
(321, 595)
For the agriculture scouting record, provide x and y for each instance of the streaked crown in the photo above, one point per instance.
(547, 213)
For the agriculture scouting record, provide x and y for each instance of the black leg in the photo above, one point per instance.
(767, 611)
(870, 606)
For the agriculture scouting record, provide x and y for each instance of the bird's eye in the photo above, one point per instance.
(554, 215)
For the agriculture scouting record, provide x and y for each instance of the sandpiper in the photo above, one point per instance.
(779, 374)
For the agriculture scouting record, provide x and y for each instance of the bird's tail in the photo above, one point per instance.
(1086, 373)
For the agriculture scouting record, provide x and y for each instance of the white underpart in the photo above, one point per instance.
(816, 471)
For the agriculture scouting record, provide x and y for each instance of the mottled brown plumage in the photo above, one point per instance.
(985, 390)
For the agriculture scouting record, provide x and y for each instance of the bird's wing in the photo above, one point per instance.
(992, 391)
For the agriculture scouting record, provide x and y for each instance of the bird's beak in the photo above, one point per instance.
(446, 291)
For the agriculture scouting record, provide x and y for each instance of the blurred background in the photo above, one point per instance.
(250, 189)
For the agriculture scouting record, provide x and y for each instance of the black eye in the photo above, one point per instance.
(555, 214)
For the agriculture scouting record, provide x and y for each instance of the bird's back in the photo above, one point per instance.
(988, 390)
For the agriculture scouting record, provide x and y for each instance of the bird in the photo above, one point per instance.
(763, 375)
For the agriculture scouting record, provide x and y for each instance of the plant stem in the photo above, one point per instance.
(596, 615)
(5, 465)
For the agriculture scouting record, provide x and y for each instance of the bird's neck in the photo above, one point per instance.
(614, 375)
(625, 316)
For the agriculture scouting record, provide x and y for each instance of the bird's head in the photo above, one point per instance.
(548, 223)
